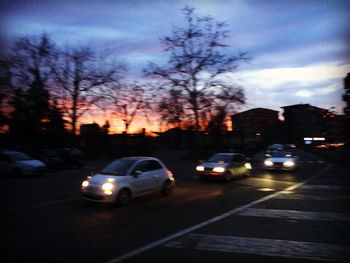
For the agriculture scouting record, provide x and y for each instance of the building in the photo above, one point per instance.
(307, 121)
(255, 124)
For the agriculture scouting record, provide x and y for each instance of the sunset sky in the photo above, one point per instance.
(301, 49)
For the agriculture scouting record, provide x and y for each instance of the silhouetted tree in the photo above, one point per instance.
(198, 62)
(171, 108)
(80, 76)
(128, 101)
(30, 62)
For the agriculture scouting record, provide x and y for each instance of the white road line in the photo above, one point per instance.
(314, 197)
(210, 221)
(265, 247)
(294, 214)
(324, 187)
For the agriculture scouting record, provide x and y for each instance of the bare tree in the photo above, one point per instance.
(28, 66)
(80, 78)
(171, 108)
(198, 60)
(127, 101)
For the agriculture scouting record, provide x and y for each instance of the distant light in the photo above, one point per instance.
(258, 134)
(319, 139)
(307, 139)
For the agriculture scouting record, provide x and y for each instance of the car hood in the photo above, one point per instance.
(32, 163)
(102, 178)
(280, 159)
(212, 165)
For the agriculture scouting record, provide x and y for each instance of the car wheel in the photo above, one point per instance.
(228, 177)
(167, 188)
(124, 197)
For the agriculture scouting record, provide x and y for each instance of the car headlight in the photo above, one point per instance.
(289, 164)
(219, 169)
(85, 183)
(268, 163)
(248, 166)
(107, 188)
(200, 168)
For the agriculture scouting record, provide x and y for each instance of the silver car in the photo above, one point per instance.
(281, 160)
(128, 177)
(19, 163)
(224, 166)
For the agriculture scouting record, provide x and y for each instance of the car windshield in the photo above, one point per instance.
(18, 156)
(118, 167)
(281, 154)
(220, 158)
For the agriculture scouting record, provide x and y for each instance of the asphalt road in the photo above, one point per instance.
(300, 216)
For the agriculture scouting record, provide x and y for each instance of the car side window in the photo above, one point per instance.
(142, 167)
(147, 166)
(154, 165)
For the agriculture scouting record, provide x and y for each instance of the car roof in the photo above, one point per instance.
(231, 154)
(9, 151)
(138, 158)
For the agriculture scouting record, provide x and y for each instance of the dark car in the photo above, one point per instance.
(224, 166)
(50, 157)
(72, 158)
(19, 163)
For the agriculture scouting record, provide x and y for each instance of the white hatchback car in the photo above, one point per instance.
(128, 177)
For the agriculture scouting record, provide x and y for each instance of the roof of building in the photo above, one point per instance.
(255, 109)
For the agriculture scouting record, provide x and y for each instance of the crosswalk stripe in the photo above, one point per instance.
(294, 214)
(324, 187)
(313, 197)
(265, 247)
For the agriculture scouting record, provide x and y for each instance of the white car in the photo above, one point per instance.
(224, 166)
(128, 177)
(281, 160)
(19, 163)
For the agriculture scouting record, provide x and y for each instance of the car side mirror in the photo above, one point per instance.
(136, 173)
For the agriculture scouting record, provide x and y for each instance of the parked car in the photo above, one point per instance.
(224, 166)
(19, 163)
(50, 157)
(72, 158)
(126, 178)
(281, 160)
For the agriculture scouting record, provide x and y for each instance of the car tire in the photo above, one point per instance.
(167, 188)
(228, 177)
(124, 197)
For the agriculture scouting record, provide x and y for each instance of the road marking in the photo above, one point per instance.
(265, 247)
(294, 214)
(324, 187)
(313, 197)
(210, 221)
